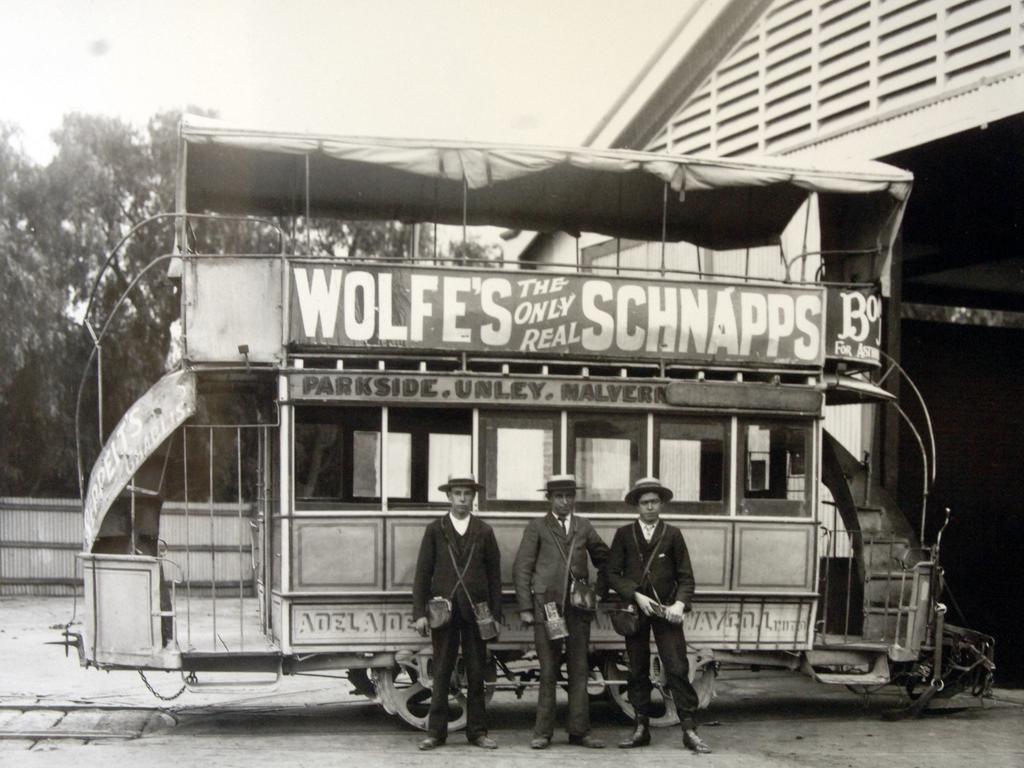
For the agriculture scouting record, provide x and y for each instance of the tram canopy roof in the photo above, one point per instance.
(714, 203)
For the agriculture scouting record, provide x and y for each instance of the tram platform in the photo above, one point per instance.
(54, 712)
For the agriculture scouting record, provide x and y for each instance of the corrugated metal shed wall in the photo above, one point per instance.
(40, 539)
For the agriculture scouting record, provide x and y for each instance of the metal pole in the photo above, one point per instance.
(309, 247)
(241, 566)
(213, 553)
(664, 223)
(188, 542)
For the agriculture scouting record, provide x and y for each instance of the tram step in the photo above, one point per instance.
(883, 626)
(871, 519)
(888, 589)
(885, 555)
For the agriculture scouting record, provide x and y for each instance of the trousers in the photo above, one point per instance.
(446, 642)
(549, 655)
(671, 644)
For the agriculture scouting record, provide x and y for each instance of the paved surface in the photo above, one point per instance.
(54, 713)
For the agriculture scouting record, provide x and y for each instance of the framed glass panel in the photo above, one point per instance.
(336, 455)
(518, 452)
(366, 469)
(608, 454)
(446, 455)
(691, 459)
(436, 442)
(319, 451)
(774, 459)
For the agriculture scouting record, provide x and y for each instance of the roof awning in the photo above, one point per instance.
(714, 203)
(141, 431)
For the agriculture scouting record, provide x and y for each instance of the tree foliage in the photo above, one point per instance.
(58, 225)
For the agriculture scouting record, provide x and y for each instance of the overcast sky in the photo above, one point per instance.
(530, 71)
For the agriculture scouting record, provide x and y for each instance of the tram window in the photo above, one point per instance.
(318, 455)
(439, 444)
(518, 452)
(773, 475)
(328, 455)
(608, 455)
(690, 457)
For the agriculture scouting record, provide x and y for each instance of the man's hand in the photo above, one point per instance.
(645, 603)
(422, 626)
(674, 613)
(527, 617)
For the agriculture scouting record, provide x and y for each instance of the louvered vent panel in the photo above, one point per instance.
(815, 67)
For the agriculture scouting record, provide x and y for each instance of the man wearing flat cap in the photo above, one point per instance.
(543, 583)
(650, 565)
(459, 561)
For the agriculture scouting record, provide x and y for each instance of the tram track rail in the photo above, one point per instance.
(80, 722)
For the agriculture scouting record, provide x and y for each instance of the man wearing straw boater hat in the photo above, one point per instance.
(457, 596)
(553, 593)
(650, 565)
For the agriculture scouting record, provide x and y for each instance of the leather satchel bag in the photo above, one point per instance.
(439, 612)
(625, 621)
(582, 595)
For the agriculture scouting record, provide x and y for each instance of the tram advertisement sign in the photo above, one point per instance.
(854, 322)
(764, 624)
(422, 308)
(141, 431)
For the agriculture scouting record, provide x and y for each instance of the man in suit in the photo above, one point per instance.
(457, 543)
(541, 579)
(662, 594)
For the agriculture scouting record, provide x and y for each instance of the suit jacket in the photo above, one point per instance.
(671, 575)
(539, 569)
(436, 575)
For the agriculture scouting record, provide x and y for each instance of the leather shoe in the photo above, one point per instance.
(430, 743)
(695, 743)
(541, 742)
(641, 737)
(588, 741)
(484, 742)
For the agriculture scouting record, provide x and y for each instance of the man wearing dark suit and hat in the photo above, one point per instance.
(463, 541)
(662, 595)
(541, 578)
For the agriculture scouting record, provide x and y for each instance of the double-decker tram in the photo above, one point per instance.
(716, 323)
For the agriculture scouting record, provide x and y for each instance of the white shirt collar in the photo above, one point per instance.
(648, 530)
(461, 526)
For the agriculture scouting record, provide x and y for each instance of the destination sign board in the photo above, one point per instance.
(474, 390)
(415, 308)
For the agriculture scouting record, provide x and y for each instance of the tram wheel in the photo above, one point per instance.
(664, 713)
(405, 689)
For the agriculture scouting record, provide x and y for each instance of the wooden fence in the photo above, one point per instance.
(40, 539)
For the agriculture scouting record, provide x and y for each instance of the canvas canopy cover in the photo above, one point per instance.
(713, 203)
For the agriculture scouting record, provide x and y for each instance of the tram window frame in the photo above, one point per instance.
(418, 423)
(634, 422)
(348, 420)
(715, 429)
(755, 502)
(488, 457)
(421, 423)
